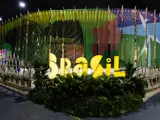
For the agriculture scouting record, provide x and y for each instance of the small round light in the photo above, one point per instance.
(146, 20)
(0, 19)
(22, 4)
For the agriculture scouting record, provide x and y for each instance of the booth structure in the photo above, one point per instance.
(131, 34)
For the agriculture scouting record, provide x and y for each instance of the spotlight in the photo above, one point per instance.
(22, 4)
(1, 19)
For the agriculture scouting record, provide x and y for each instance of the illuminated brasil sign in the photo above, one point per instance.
(82, 63)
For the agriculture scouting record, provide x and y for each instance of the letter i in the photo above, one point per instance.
(108, 67)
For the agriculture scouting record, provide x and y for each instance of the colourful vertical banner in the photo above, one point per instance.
(86, 32)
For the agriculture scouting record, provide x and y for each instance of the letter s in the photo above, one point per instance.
(98, 69)
(53, 65)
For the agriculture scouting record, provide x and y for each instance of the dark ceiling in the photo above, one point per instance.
(10, 8)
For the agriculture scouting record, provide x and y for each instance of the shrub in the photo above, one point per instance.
(87, 96)
(39, 93)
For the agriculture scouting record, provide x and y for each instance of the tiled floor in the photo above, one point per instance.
(15, 107)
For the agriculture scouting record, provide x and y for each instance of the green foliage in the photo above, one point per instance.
(39, 93)
(38, 46)
(86, 96)
(130, 69)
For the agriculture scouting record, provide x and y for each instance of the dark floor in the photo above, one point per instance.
(16, 107)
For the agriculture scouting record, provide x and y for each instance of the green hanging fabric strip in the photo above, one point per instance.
(155, 20)
(84, 32)
(27, 37)
(114, 34)
(13, 49)
(31, 37)
(17, 61)
(53, 39)
(152, 42)
(35, 38)
(49, 35)
(97, 31)
(113, 31)
(11, 28)
(1, 36)
(63, 32)
(104, 34)
(16, 27)
(5, 27)
(121, 41)
(19, 38)
(1, 60)
(46, 40)
(148, 44)
(81, 44)
(8, 28)
(157, 46)
(132, 43)
(79, 36)
(43, 51)
(129, 40)
(109, 32)
(50, 28)
(5, 32)
(88, 34)
(23, 38)
(135, 36)
(125, 39)
(75, 29)
(89, 31)
(139, 42)
(52, 16)
(58, 36)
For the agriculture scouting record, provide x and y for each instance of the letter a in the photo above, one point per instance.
(82, 64)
